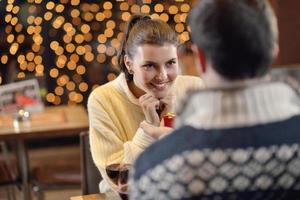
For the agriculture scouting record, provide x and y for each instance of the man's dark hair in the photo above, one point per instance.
(235, 36)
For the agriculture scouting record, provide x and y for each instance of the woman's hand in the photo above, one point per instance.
(167, 104)
(150, 105)
(156, 132)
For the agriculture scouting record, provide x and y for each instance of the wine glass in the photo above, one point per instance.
(118, 175)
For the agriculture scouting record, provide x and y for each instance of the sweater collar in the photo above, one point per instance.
(121, 84)
(240, 106)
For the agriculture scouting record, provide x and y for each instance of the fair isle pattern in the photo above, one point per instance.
(217, 171)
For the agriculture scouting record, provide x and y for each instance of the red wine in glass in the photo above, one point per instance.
(118, 174)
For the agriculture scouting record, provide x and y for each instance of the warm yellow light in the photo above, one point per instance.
(101, 38)
(185, 7)
(59, 90)
(70, 86)
(164, 17)
(54, 45)
(124, 6)
(23, 66)
(110, 51)
(38, 21)
(62, 80)
(179, 27)
(57, 100)
(67, 38)
(14, 48)
(126, 16)
(30, 56)
(58, 22)
(31, 66)
(74, 57)
(114, 61)
(61, 61)
(18, 28)
(38, 60)
(88, 37)
(71, 65)
(37, 39)
(8, 29)
(70, 47)
(135, 8)
(21, 75)
(10, 38)
(80, 50)
(79, 98)
(10, 1)
(20, 38)
(145, 9)
(50, 97)
(48, 15)
(100, 16)
(101, 58)
(173, 10)
(21, 59)
(38, 29)
(30, 19)
(80, 69)
(59, 8)
(155, 16)
(108, 32)
(75, 13)
(16, 9)
(59, 50)
(38, 1)
(8, 18)
(79, 38)
(111, 77)
(101, 48)
(184, 36)
(87, 48)
(32, 9)
(110, 24)
(0, 80)
(83, 87)
(120, 36)
(50, 5)
(30, 30)
(94, 8)
(75, 2)
(4, 59)
(39, 69)
(88, 16)
(89, 56)
(72, 96)
(35, 47)
(183, 17)
(177, 18)
(85, 28)
(159, 8)
(54, 73)
(107, 5)
(14, 21)
(9, 8)
(107, 14)
(115, 43)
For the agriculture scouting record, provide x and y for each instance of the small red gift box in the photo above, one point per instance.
(169, 119)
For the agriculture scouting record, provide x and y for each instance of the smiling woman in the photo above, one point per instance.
(148, 88)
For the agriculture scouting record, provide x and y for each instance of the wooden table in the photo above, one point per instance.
(59, 121)
(89, 197)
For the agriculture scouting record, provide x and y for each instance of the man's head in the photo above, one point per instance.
(237, 38)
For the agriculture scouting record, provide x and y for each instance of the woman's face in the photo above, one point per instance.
(154, 69)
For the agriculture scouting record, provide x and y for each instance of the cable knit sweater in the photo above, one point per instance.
(115, 115)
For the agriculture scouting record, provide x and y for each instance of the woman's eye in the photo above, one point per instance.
(148, 66)
(172, 62)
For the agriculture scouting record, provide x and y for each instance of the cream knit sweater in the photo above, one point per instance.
(115, 115)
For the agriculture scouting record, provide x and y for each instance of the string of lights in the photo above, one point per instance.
(73, 44)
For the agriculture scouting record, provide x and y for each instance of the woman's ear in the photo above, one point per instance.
(201, 59)
(128, 64)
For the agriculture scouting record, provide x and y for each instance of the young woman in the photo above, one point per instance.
(148, 88)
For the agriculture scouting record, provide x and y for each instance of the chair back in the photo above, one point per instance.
(90, 173)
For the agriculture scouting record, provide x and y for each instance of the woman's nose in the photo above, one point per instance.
(162, 74)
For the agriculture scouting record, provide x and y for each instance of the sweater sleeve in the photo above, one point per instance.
(106, 143)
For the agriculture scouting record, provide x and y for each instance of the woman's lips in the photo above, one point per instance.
(160, 86)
